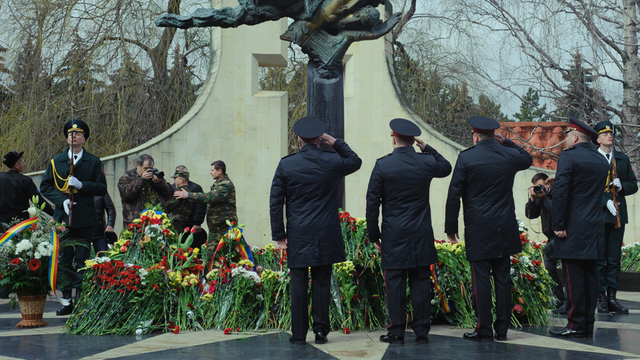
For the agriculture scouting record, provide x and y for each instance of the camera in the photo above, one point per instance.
(539, 189)
(158, 173)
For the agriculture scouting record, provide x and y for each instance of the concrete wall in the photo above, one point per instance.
(247, 128)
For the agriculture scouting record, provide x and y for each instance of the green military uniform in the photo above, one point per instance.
(55, 188)
(221, 206)
(136, 194)
(609, 268)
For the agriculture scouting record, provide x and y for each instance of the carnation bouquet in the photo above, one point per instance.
(26, 252)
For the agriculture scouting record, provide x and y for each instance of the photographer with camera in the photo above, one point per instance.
(539, 205)
(142, 188)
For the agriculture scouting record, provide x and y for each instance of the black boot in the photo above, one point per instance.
(76, 298)
(614, 305)
(66, 310)
(603, 305)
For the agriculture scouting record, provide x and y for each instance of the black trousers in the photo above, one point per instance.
(609, 269)
(582, 292)
(480, 278)
(74, 254)
(420, 285)
(552, 268)
(320, 294)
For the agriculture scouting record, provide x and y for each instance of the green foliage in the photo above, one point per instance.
(530, 109)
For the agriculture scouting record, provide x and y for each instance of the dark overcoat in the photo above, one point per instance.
(89, 171)
(400, 182)
(577, 207)
(483, 179)
(629, 187)
(15, 192)
(307, 182)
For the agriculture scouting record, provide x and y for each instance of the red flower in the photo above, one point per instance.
(34, 226)
(186, 229)
(190, 306)
(34, 264)
(228, 331)
(176, 329)
(521, 300)
(346, 330)
(238, 329)
(193, 230)
(15, 261)
(517, 308)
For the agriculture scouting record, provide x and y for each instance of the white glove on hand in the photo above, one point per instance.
(65, 205)
(73, 181)
(611, 207)
(617, 184)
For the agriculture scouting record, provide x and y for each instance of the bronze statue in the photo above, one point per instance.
(324, 29)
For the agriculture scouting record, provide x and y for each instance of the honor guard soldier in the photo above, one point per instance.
(400, 182)
(624, 183)
(307, 182)
(483, 178)
(578, 224)
(86, 181)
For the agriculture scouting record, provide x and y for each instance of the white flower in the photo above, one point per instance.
(259, 297)
(32, 211)
(240, 271)
(23, 245)
(138, 331)
(143, 273)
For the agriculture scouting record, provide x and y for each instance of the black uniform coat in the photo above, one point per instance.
(199, 210)
(103, 203)
(400, 182)
(580, 180)
(89, 172)
(15, 192)
(308, 183)
(483, 178)
(629, 187)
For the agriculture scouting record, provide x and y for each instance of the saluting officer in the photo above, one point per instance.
(307, 182)
(400, 182)
(86, 182)
(483, 179)
(625, 184)
(578, 223)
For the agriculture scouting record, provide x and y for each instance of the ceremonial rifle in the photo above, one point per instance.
(71, 188)
(614, 175)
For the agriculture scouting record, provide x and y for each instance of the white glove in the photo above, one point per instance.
(617, 184)
(73, 181)
(65, 205)
(611, 207)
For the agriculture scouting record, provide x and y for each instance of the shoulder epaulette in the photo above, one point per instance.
(386, 156)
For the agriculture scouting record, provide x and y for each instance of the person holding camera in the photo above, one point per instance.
(141, 188)
(539, 205)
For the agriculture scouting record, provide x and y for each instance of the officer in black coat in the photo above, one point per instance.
(307, 182)
(198, 212)
(400, 182)
(87, 181)
(625, 183)
(103, 232)
(483, 179)
(578, 224)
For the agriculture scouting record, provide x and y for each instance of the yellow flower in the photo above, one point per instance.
(269, 247)
(89, 263)
(196, 250)
(193, 281)
(175, 278)
(185, 272)
(137, 221)
(245, 262)
(184, 284)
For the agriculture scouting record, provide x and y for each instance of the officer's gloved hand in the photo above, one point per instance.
(611, 207)
(616, 182)
(66, 204)
(73, 181)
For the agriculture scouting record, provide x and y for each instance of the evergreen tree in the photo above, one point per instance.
(530, 109)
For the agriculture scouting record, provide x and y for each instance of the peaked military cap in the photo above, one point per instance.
(403, 128)
(483, 124)
(11, 158)
(308, 127)
(181, 173)
(76, 125)
(579, 126)
(601, 128)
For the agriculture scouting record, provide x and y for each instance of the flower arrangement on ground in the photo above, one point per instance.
(26, 251)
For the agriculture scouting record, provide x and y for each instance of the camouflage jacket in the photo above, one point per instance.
(132, 187)
(180, 209)
(221, 203)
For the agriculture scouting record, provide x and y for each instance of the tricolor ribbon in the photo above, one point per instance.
(53, 261)
(243, 248)
(443, 299)
(16, 229)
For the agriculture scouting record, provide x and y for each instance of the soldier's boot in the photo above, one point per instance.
(65, 309)
(614, 305)
(603, 305)
(76, 298)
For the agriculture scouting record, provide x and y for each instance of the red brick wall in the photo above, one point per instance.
(540, 139)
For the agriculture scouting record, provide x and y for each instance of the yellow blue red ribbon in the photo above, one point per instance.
(443, 299)
(53, 261)
(16, 229)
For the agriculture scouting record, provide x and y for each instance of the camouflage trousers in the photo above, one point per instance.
(215, 234)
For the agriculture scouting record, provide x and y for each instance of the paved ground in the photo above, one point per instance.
(615, 337)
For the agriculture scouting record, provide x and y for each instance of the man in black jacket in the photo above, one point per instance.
(86, 182)
(539, 205)
(103, 229)
(625, 184)
(483, 179)
(400, 182)
(307, 182)
(578, 224)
